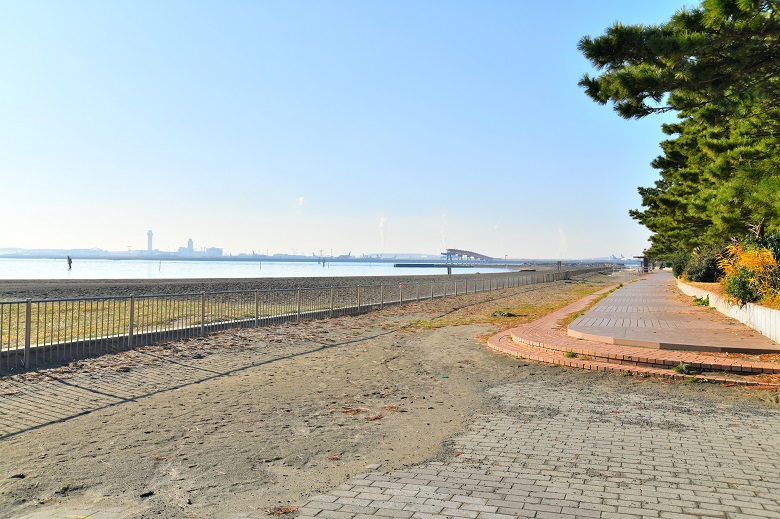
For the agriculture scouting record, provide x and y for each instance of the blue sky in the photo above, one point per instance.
(319, 125)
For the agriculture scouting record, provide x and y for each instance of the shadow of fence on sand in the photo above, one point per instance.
(61, 397)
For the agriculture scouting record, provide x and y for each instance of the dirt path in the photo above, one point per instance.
(245, 421)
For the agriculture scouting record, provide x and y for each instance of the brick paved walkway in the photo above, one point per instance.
(580, 451)
(546, 339)
(652, 313)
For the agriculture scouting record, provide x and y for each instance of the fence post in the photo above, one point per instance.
(27, 333)
(131, 328)
(257, 308)
(456, 289)
(417, 286)
(381, 296)
(331, 301)
(358, 299)
(400, 294)
(431, 289)
(203, 313)
(298, 306)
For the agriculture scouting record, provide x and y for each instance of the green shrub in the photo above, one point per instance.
(682, 368)
(679, 261)
(740, 286)
(772, 242)
(703, 266)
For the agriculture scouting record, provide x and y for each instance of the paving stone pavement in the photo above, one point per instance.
(652, 312)
(585, 451)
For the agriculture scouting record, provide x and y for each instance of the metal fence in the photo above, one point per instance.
(38, 333)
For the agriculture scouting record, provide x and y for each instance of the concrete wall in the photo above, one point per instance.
(762, 319)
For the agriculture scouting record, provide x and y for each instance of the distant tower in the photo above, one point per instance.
(149, 240)
(190, 245)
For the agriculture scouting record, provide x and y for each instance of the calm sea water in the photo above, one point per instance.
(151, 269)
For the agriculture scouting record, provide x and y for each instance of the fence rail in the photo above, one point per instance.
(37, 333)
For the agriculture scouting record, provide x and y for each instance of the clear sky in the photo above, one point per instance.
(300, 126)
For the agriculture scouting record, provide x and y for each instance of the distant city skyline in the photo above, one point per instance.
(303, 126)
(204, 252)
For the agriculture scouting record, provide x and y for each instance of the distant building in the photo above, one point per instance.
(149, 235)
(189, 250)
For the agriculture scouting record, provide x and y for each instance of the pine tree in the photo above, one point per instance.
(717, 68)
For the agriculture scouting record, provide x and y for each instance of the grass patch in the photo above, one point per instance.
(682, 368)
(515, 310)
(570, 355)
(420, 323)
(67, 320)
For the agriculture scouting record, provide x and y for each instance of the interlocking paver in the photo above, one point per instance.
(624, 317)
(649, 458)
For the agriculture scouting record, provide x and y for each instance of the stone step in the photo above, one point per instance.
(637, 356)
(505, 343)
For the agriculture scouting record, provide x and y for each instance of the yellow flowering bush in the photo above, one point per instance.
(751, 274)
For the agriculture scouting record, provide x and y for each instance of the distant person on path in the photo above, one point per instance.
(70, 262)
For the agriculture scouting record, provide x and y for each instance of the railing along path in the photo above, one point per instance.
(38, 333)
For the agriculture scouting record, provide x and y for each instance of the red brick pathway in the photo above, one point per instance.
(652, 318)
(654, 314)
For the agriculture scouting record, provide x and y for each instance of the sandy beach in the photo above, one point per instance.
(59, 288)
(250, 420)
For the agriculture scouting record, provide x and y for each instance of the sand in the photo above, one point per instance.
(70, 288)
(244, 421)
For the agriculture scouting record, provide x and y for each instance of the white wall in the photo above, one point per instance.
(762, 319)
